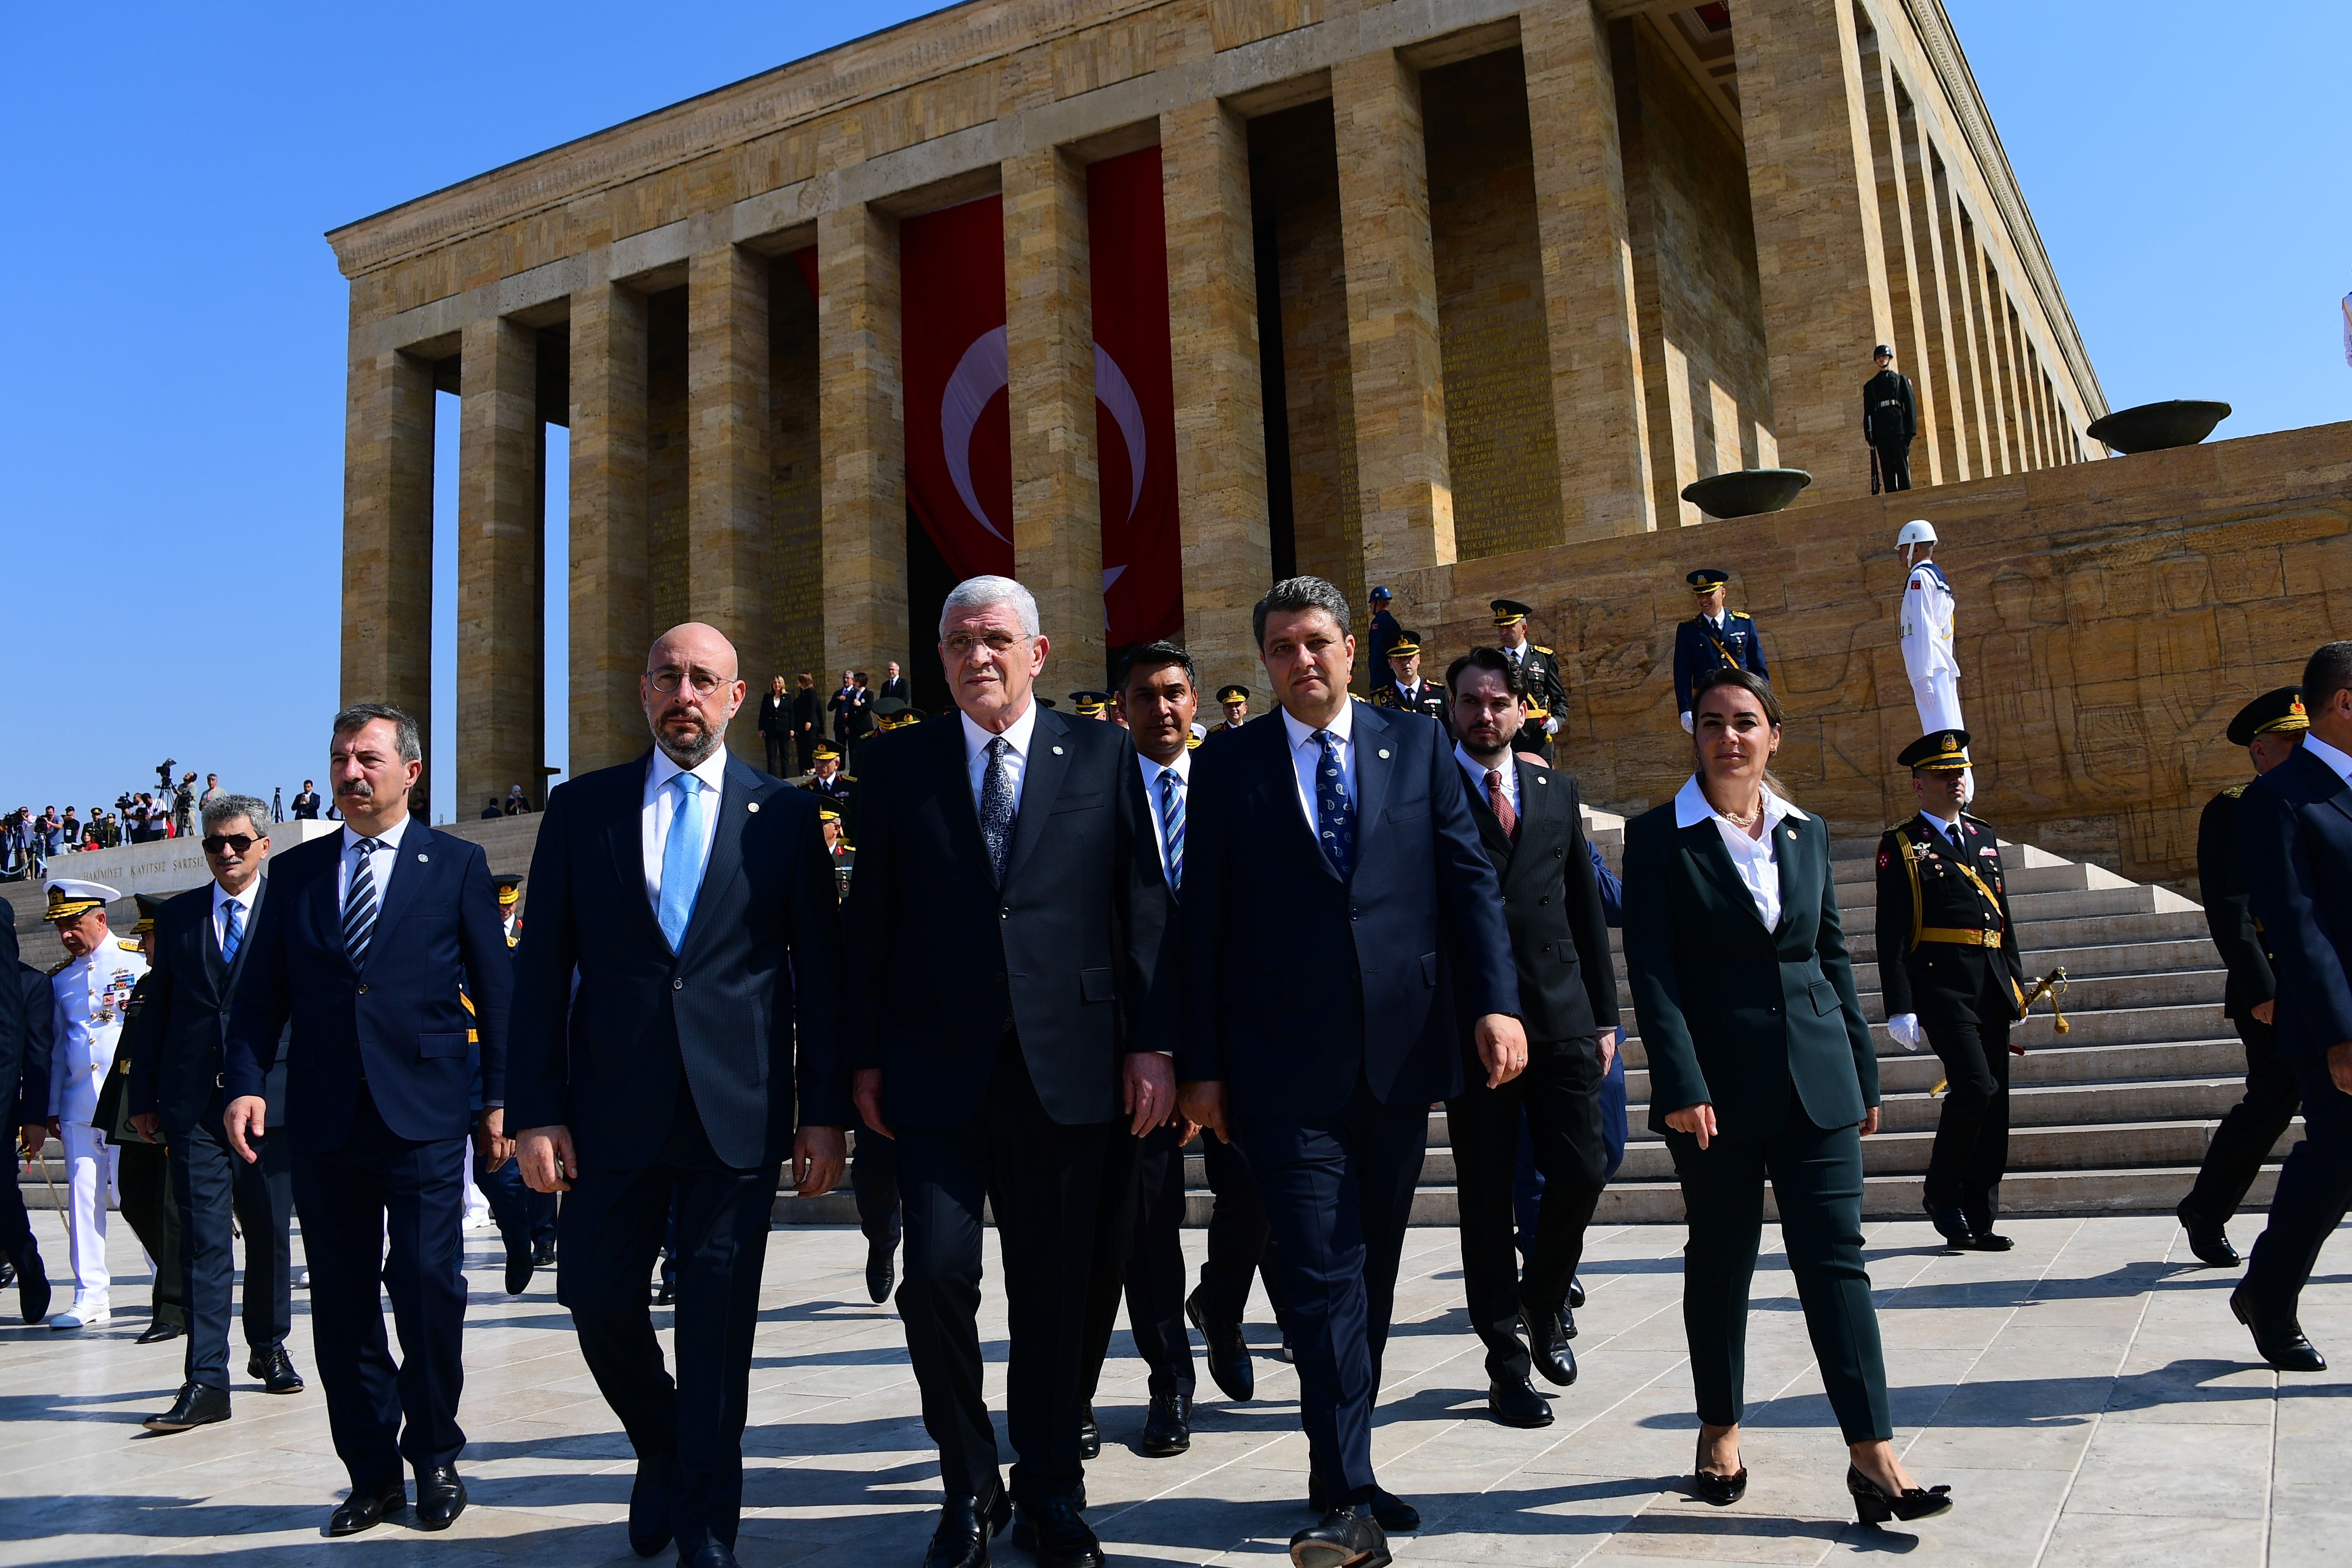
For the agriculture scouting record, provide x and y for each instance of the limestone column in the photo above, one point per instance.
(860, 406)
(388, 534)
(1049, 353)
(500, 629)
(728, 492)
(1907, 287)
(1220, 408)
(1814, 194)
(1943, 361)
(611, 610)
(1598, 396)
(1395, 367)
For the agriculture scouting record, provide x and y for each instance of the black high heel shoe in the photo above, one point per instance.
(1873, 1504)
(1720, 1491)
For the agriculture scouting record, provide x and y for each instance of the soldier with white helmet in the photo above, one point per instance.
(90, 991)
(1928, 638)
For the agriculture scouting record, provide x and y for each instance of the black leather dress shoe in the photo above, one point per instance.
(1089, 1435)
(1391, 1511)
(1547, 1347)
(197, 1405)
(1575, 1291)
(157, 1333)
(649, 1505)
(543, 1254)
(2278, 1338)
(1950, 1224)
(1168, 1428)
(1228, 1353)
(276, 1370)
(440, 1497)
(8, 1273)
(1513, 1402)
(2209, 1241)
(518, 1270)
(881, 1271)
(966, 1522)
(1568, 1322)
(1051, 1530)
(32, 1289)
(1348, 1537)
(713, 1554)
(366, 1508)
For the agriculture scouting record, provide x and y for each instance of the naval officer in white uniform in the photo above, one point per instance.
(89, 991)
(1928, 654)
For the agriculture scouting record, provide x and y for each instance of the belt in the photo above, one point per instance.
(1958, 938)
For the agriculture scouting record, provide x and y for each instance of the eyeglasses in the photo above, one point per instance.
(961, 644)
(228, 843)
(667, 680)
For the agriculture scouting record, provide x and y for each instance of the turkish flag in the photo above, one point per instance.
(951, 335)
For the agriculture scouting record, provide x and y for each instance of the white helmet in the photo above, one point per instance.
(1918, 531)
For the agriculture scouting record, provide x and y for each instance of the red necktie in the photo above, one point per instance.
(1501, 803)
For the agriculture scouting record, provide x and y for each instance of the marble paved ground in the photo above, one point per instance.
(2087, 1396)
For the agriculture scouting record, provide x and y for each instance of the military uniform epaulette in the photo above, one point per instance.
(126, 944)
(1540, 648)
(2234, 790)
(1980, 822)
(59, 966)
(1741, 615)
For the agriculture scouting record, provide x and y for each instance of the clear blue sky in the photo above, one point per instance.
(172, 424)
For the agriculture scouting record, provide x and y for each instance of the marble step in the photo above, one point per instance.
(2078, 1146)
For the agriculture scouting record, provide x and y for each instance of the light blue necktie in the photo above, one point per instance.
(682, 876)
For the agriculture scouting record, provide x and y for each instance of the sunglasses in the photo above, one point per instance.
(232, 843)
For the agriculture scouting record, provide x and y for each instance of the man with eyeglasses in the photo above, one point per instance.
(178, 1093)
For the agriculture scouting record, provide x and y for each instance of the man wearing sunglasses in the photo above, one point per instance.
(175, 1043)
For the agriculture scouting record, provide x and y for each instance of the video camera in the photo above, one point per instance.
(163, 772)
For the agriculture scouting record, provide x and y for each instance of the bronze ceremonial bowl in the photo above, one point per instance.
(2154, 426)
(1744, 492)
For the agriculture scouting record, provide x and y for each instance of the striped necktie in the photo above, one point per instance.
(1171, 825)
(359, 903)
(232, 935)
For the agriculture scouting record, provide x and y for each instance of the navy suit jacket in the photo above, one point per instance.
(1294, 983)
(1078, 920)
(2294, 826)
(758, 964)
(12, 1023)
(398, 1022)
(177, 1042)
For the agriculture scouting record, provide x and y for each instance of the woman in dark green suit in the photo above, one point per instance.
(1760, 1065)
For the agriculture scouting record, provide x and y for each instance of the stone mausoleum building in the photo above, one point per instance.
(1458, 295)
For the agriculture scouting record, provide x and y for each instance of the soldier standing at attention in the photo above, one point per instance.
(1713, 639)
(1405, 691)
(831, 786)
(1890, 418)
(1949, 965)
(89, 992)
(2270, 727)
(1379, 634)
(1538, 674)
(1928, 637)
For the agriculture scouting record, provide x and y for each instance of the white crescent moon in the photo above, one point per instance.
(980, 375)
(1112, 391)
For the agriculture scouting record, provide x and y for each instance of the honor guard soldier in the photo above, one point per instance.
(509, 887)
(1948, 967)
(1928, 654)
(1091, 705)
(2270, 727)
(838, 849)
(1539, 669)
(1405, 691)
(1380, 635)
(89, 992)
(1236, 700)
(1712, 639)
(1890, 418)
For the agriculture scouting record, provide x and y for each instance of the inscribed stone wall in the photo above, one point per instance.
(666, 468)
(1502, 446)
(2112, 616)
(796, 557)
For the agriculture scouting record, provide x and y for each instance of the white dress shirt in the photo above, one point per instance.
(380, 863)
(1307, 756)
(1478, 770)
(1755, 859)
(1016, 759)
(222, 899)
(2337, 763)
(1155, 788)
(661, 804)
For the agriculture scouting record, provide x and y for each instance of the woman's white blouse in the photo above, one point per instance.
(1755, 859)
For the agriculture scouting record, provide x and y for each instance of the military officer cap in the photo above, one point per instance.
(1047, 702)
(1509, 612)
(825, 753)
(1194, 736)
(827, 813)
(70, 899)
(149, 906)
(1881, 351)
(889, 707)
(1707, 579)
(1406, 645)
(1382, 594)
(2271, 713)
(1089, 703)
(509, 887)
(1938, 752)
(911, 716)
(1231, 694)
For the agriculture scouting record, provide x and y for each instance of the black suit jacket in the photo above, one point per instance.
(1731, 1013)
(1079, 919)
(898, 688)
(1551, 904)
(2294, 826)
(26, 1084)
(808, 712)
(1295, 983)
(757, 970)
(775, 714)
(14, 1023)
(177, 1043)
(2228, 912)
(399, 1022)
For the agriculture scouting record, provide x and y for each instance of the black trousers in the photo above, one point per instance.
(806, 744)
(611, 1226)
(379, 1185)
(1816, 1175)
(145, 1174)
(1040, 1177)
(524, 1218)
(1139, 1257)
(1558, 1096)
(2314, 1188)
(16, 1243)
(1894, 463)
(2249, 1132)
(874, 1182)
(1338, 1194)
(1237, 1236)
(779, 748)
(214, 1188)
(1969, 1031)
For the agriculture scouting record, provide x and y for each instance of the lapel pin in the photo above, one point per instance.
(1057, 752)
(1384, 753)
(750, 806)
(1792, 836)
(1540, 779)
(420, 855)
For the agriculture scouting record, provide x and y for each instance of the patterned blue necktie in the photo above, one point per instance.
(234, 937)
(1171, 825)
(1335, 813)
(681, 874)
(996, 811)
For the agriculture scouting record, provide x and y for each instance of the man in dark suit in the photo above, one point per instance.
(776, 726)
(691, 896)
(25, 1017)
(1000, 1066)
(1336, 896)
(1531, 822)
(306, 805)
(176, 1046)
(2296, 829)
(364, 942)
(894, 684)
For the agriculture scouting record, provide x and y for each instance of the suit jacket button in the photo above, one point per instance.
(362, 989)
(1776, 1007)
(678, 984)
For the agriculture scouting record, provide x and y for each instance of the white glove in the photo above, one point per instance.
(1905, 1027)
(1686, 725)
(1551, 726)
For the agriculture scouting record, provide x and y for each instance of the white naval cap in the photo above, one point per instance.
(70, 898)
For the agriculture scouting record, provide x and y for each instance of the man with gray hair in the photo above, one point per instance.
(174, 1043)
